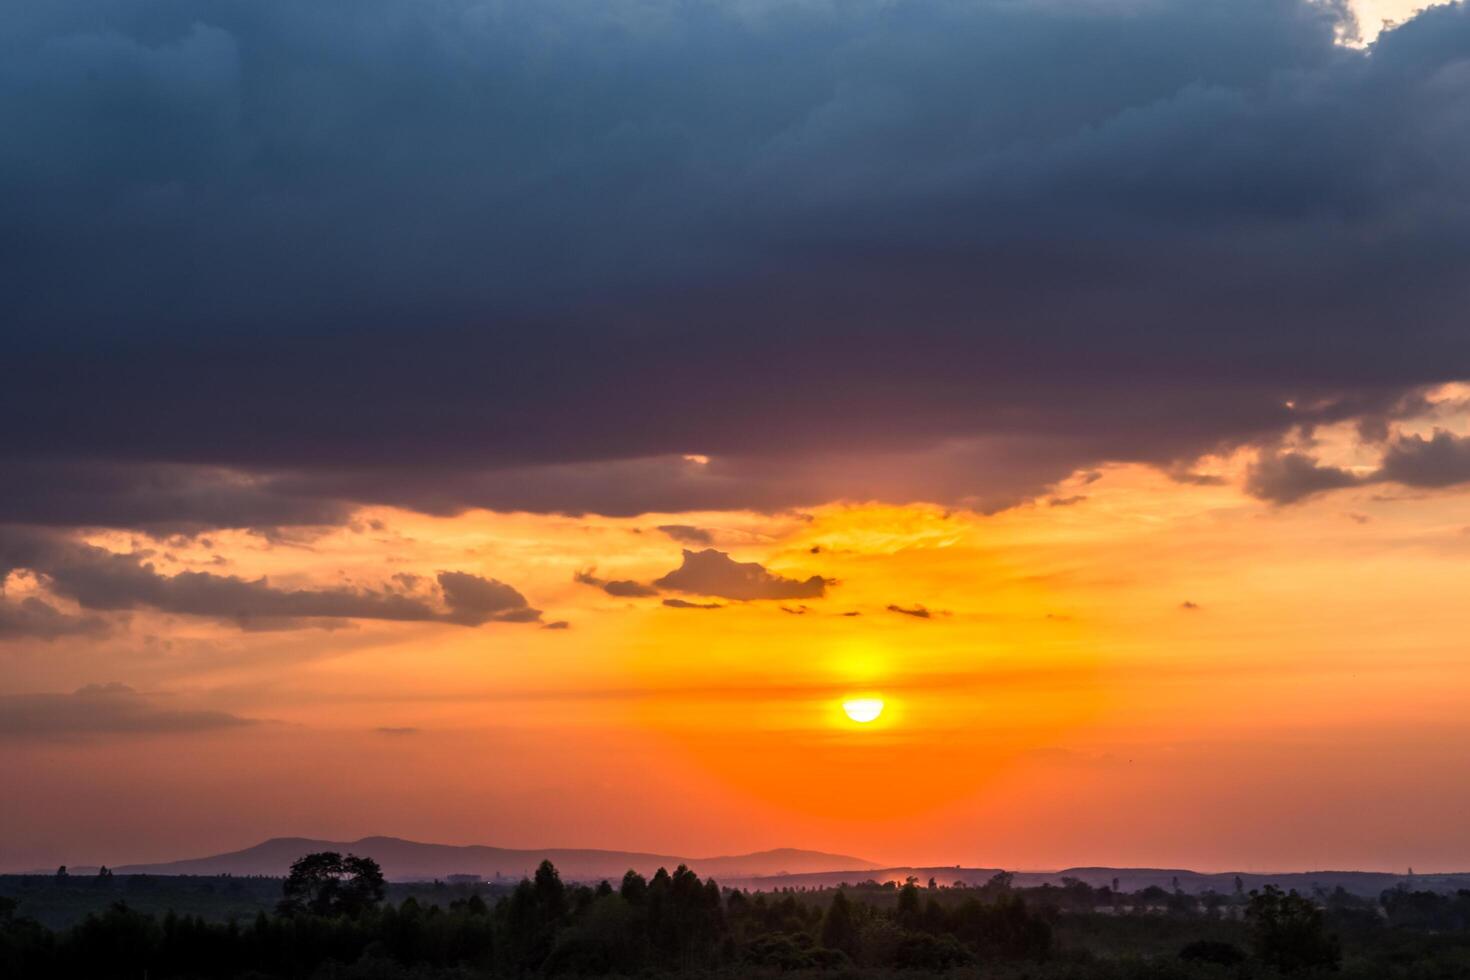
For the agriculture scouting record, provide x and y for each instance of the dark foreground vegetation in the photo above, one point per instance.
(334, 919)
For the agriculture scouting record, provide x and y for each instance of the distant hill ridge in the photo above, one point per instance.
(407, 860)
(1368, 884)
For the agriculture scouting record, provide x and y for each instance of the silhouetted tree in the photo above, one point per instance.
(838, 930)
(1290, 933)
(551, 894)
(908, 906)
(326, 883)
(634, 888)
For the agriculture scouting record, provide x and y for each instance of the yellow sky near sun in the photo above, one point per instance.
(1373, 15)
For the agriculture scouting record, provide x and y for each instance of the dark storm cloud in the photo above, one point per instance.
(103, 709)
(100, 580)
(714, 573)
(623, 588)
(157, 497)
(527, 255)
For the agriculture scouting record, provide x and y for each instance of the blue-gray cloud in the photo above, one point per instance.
(100, 580)
(529, 254)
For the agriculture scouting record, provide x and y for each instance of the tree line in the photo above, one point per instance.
(332, 917)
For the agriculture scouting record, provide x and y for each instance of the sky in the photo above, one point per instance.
(528, 423)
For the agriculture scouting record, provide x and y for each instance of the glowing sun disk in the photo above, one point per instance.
(863, 710)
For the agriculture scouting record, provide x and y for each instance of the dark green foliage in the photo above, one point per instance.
(908, 906)
(678, 924)
(1427, 910)
(1212, 951)
(1291, 932)
(1003, 929)
(790, 951)
(922, 951)
(838, 929)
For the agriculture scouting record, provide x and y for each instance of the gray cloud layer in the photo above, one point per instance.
(32, 618)
(103, 709)
(529, 254)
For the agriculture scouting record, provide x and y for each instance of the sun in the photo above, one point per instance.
(863, 710)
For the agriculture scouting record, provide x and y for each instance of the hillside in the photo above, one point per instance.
(404, 860)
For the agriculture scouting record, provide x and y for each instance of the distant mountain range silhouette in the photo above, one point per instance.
(407, 860)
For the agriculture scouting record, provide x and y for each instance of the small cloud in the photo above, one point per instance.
(623, 589)
(473, 600)
(795, 610)
(1058, 617)
(852, 613)
(714, 573)
(687, 533)
(1066, 501)
(917, 611)
(1359, 518)
(560, 624)
(1196, 479)
(684, 604)
(1285, 478)
(396, 730)
(1188, 606)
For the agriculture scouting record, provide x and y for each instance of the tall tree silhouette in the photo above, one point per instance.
(326, 883)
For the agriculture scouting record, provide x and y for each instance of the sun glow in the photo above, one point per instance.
(863, 710)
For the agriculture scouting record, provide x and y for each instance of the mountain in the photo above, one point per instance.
(407, 860)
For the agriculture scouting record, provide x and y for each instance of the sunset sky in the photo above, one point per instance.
(528, 423)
